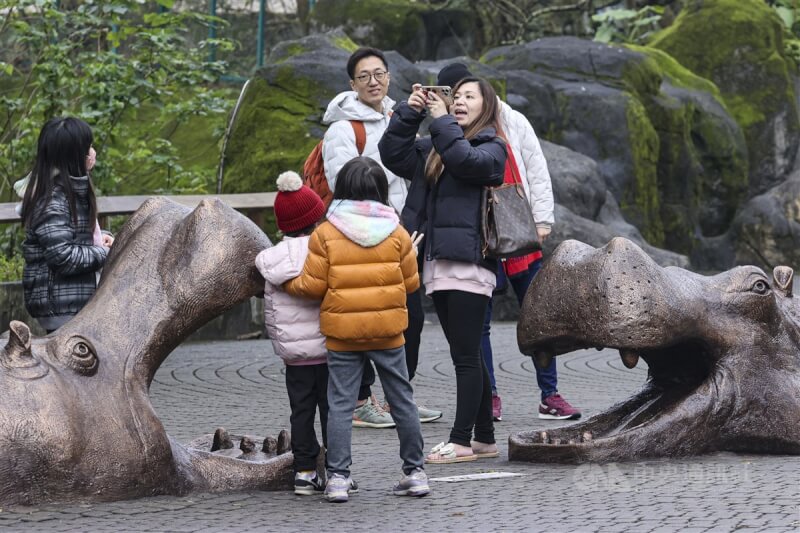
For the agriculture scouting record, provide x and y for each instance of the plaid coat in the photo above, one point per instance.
(60, 259)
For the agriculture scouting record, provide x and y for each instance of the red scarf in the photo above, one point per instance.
(516, 265)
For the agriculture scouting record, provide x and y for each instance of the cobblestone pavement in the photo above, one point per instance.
(239, 385)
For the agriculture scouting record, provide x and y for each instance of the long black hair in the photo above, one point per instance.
(62, 149)
(362, 178)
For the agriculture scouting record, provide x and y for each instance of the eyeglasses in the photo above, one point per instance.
(379, 77)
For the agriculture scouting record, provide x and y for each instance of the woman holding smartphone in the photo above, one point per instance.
(448, 171)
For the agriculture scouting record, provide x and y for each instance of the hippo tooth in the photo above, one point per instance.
(556, 441)
(629, 358)
(222, 441)
(586, 436)
(543, 359)
(284, 442)
(270, 445)
(543, 437)
(247, 445)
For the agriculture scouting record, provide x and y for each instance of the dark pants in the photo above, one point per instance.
(416, 319)
(308, 389)
(546, 378)
(461, 315)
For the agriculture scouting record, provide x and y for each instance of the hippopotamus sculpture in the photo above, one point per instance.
(723, 354)
(76, 421)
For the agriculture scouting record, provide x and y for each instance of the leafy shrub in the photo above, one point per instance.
(124, 66)
(627, 25)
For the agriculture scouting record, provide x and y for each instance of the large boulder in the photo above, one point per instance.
(738, 44)
(767, 229)
(668, 150)
(279, 122)
(415, 29)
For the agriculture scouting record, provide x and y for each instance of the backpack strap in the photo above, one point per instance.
(361, 135)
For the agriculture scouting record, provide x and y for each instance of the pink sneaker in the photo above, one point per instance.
(557, 408)
(497, 408)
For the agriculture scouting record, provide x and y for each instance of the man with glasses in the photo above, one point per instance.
(369, 104)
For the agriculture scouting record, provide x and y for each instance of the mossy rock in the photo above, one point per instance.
(766, 231)
(738, 44)
(430, 71)
(417, 30)
(280, 118)
(664, 141)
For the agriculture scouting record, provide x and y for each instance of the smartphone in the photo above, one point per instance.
(445, 92)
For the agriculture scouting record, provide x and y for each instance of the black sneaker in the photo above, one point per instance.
(306, 483)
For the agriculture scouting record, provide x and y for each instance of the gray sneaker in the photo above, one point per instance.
(339, 488)
(413, 484)
(371, 415)
(425, 414)
(428, 415)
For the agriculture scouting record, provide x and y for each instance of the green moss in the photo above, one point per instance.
(499, 85)
(492, 60)
(667, 67)
(345, 43)
(739, 45)
(640, 201)
(271, 132)
(294, 49)
(394, 24)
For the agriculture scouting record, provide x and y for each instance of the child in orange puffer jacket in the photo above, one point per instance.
(362, 263)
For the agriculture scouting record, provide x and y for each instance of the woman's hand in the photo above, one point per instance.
(436, 106)
(542, 232)
(417, 99)
(107, 240)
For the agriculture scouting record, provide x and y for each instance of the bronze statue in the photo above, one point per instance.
(723, 354)
(76, 421)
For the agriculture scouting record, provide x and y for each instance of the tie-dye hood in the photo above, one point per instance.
(365, 222)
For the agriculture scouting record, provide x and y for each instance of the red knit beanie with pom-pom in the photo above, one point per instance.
(296, 206)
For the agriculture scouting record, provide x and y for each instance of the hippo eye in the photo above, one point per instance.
(760, 287)
(80, 356)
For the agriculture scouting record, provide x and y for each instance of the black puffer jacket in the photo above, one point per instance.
(449, 212)
(60, 259)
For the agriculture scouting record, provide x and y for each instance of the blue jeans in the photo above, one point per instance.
(546, 378)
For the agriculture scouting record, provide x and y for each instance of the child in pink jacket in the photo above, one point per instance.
(293, 325)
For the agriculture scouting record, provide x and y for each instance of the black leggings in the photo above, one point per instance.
(461, 315)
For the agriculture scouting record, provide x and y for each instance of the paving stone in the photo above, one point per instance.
(240, 385)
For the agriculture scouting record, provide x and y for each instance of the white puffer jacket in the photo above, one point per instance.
(339, 143)
(292, 322)
(531, 162)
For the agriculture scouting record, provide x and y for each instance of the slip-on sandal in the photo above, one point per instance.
(486, 455)
(447, 455)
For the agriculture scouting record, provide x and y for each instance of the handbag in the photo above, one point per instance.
(507, 225)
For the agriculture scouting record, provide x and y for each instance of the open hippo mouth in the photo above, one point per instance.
(699, 336)
(76, 421)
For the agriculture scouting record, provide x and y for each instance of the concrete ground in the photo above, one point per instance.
(239, 385)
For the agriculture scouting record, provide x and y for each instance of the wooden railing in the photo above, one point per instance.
(253, 205)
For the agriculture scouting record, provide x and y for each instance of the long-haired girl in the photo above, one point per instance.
(59, 212)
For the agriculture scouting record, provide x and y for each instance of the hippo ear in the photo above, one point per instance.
(19, 340)
(783, 277)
